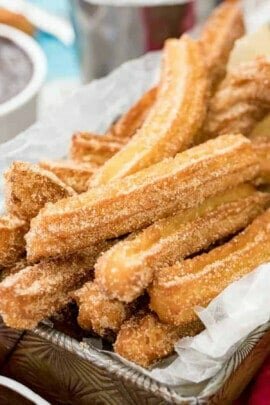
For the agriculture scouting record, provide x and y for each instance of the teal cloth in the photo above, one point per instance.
(62, 60)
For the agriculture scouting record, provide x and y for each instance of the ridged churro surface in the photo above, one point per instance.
(12, 243)
(174, 119)
(74, 174)
(241, 100)
(138, 200)
(92, 148)
(38, 291)
(97, 312)
(224, 26)
(128, 267)
(133, 119)
(28, 188)
(177, 290)
(144, 340)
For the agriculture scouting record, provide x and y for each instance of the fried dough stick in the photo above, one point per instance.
(128, 267)
(97, 312)
(12, 243)
(28, 188)
(177, 290)
(218, 36)
(138, 200)
(39, 291)
(133, 119)
(241, 100)
(95, 149)
(144, 340)
(74, 174)
(175, 118)
(224, 26)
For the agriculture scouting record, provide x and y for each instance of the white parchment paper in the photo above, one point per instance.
(229, 318)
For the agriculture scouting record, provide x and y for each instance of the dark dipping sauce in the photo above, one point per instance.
(16, 69)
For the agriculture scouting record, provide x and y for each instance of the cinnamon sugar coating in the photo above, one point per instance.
(241, 100)
(137, 201)
(38, 291)
(74, 174)
(12, 243)
(28, 188)
(224, 26)
(144, 340)
(177, 290)
(133, 119)
(128, 267)
(95, 149)
(97, 312)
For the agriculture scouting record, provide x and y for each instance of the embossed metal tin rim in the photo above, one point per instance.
(129, 374)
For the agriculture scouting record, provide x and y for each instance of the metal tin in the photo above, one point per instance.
(63, 370)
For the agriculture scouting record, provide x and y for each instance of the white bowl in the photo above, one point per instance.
(20, 112)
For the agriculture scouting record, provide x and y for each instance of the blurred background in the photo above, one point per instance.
(84, 40)
(106, 36)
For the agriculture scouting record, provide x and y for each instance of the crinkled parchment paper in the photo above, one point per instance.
(229, 319)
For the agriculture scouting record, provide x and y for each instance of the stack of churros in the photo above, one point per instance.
(155, 217)
(94, 149)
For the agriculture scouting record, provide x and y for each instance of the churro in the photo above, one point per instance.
(224, 26)
(74, 174)
(28, 188)
(97, 312)
(241, 100)
(144, 340)
(39, 291)
(128, 267)
(133, 119)
(136, 201)
(12, 243)
(166, 129)
(92, 148)
(177, 290)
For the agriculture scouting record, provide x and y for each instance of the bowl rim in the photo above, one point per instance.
(37, 57)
